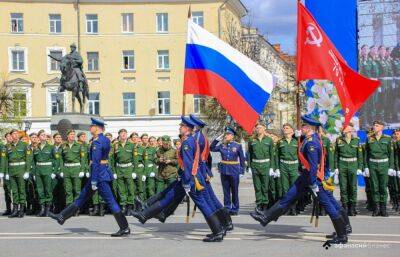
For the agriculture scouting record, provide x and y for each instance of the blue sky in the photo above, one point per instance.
(275, 19)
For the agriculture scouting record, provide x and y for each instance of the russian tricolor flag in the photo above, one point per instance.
(215, 69)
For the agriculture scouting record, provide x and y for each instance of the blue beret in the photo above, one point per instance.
(310, 121)
(197, 121)
(229, 130)
(187, 122)
(96, 122)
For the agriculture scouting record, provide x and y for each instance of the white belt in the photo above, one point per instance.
(140, 165)
(124, 165)
(379, 160)
(72, 164)
(44, 163)
(290, 162)
(16, 163)
(260, 161)
(347, 159)
(150, 165)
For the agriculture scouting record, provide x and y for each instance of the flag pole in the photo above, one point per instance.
(298, 84)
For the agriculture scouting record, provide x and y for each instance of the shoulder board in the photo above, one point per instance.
(309, 139)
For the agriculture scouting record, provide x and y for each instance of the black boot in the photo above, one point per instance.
(353, 206)
(382, 210)
(168, 211)
(21, 212)
(64, 214)
(95, 210)
(8, 209)
(216, 228)
(344, 207)
(14, 212)
(148, 213)
(375, 210)
(350, 210)
(124, 229)
(225, 220)
(340, 228)
(123, 209)
(47, 209)
(129, 210)
(346, 219)
(42, 211)
(271, 214)
(102, 210)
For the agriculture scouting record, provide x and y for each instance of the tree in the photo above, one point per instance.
(6, 106)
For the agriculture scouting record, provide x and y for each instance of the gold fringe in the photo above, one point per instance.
(197, 185)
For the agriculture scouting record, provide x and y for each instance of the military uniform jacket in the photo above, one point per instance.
(149, 159)
(73, 155)
(311, 149)
(286, 151)
(397, 154)
(233, 160)
(351, 150)
(379, 150)
(123, 155)
(262, 150)
(18, 158)
(3, 159)
(170, 170)
(86, 148)
(99, 152)
(138, 153)
(44, 159)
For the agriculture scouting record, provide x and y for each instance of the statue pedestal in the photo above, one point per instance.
(63, 122)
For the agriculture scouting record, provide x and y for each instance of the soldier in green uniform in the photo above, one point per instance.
(287, 160)
(32, 199)
(261, 158)
(81, 136)
(19, 163)
(275, 185)
(395, 56)
(44, 158)
(385, 76)
(167, 161)
(348, 163)
(394, 180)
(4, 176)
(138, 172)
(380, 163)
(123, 156)
(73, 162)
(58, 188)
(366, 174)
(150, 169)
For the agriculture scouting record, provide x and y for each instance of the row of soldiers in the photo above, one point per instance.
(274, 165)
(43, 173)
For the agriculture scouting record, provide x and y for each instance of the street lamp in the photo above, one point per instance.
(270, 118)
(28, 125)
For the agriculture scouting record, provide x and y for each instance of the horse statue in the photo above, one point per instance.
(73, 79)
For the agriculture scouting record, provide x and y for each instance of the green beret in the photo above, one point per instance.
(81, 134)
(379, 122)
(165, 138)
(122, 130)
(56, 134)
(41, 132)
(70, 131)
(145, 135)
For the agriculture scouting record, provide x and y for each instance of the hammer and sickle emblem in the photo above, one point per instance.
(314, 36)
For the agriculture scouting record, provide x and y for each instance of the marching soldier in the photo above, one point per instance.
(19, 161)
(149, 166)
(4, 175)
(380, 164)
(348, 163)
(167, 161)
(123, 158)
(261, 160)
(44, 158)
(58, 188)
(73, 162)
(287, 160)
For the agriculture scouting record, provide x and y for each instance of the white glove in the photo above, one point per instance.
(271, 172)
(61, 174)
(152, 174)
(94, 185)
(398, 173)
(115, 176)
(336, 171)
(34, 178)
(366, 172)
(143, 178)
(314, 189)
(187, 189)
(391, 172)
(81, 174)
(277, 173)
(1, 175)
(134, 175)
(7, 177)
(53, 176)
(220, 137)
(336, 179)
(250, 171)
(332, 174)
(359, 172)
(26, 175)
(87, 174)
(297, 133)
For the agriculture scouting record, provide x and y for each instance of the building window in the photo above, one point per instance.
(54, 65)
(92, 24)
(93, 61)
(17, 23)
(128, 58)
(164, 103)
(127, 22)
(94, 103)
(55, 106)
(129, 104)
(163, 60)
(162, 22)
(18, 60)
(199, 103)
(19, 101)
(198, 18)
(55, 23)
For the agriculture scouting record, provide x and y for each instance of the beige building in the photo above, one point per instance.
(133, 54)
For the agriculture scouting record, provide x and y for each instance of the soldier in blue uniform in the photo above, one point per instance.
(205, 171)
(230, 167)
(100, 179)
(190, 183)
(310, 179)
